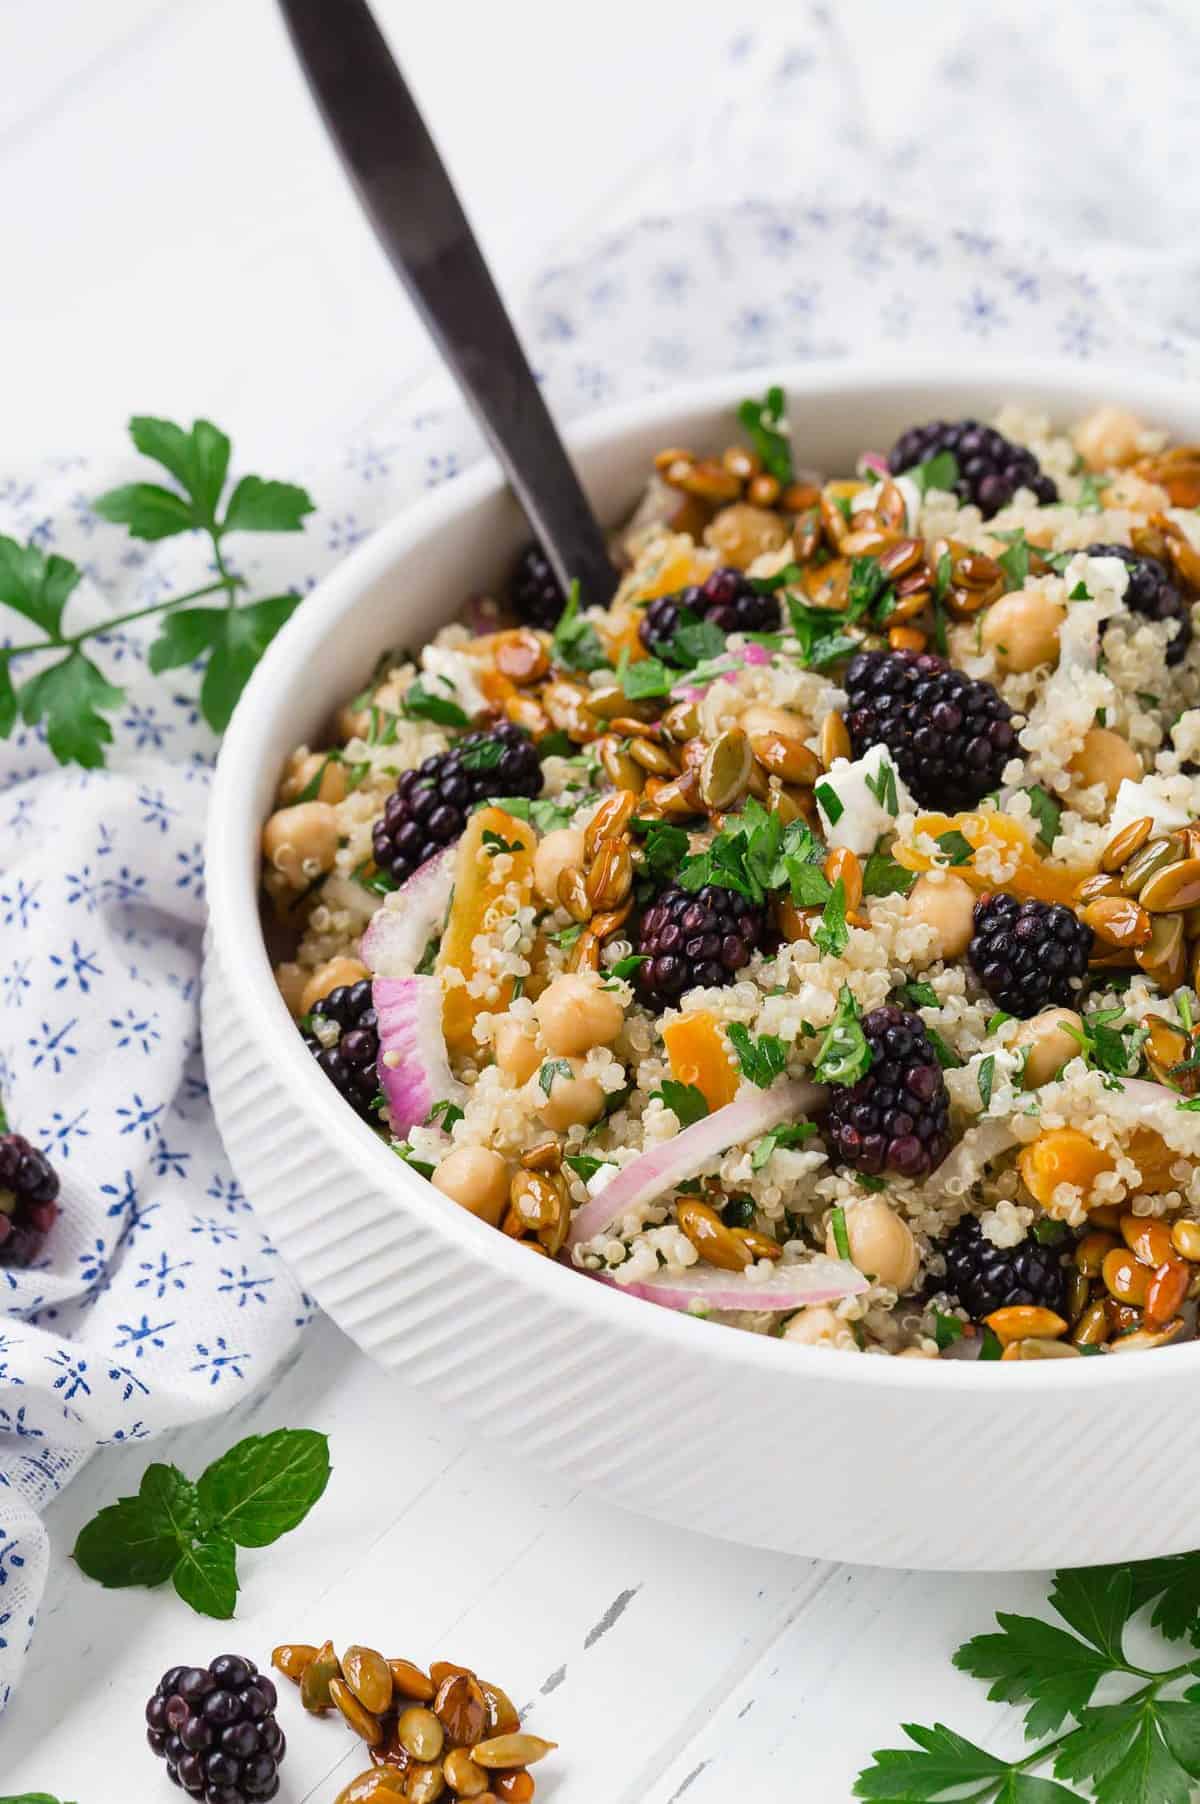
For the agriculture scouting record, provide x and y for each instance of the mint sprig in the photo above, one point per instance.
(1142, 1747)
(189, 1532)
(72, 695)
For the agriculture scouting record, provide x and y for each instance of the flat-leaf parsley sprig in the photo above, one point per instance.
(1143, 1747)
(72, 695)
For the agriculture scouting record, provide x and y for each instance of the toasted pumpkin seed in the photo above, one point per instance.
(1174, 887)
(292, 1658)
(835, 740)
(1117, 921)
(511, 1750)
(1122, 846)
(420, 1733)
(369, 1678)
(1185, 1238)
(622, 771)
(654, 758)
(315, 1680)
(1141, 1340)
(1024, 1321)
(463, 1775)
(725, 772)
(1154, 856)
(572, 893)
(361, 1721)
(410, 1682)
(716, 1244)
(1034, 1347)
(1125, 1278)
(1092, 1327)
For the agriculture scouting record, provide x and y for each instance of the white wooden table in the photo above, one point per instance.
(185, 243)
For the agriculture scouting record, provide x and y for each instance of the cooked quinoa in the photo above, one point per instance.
(810, 938)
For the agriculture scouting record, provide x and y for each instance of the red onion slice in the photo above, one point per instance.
(651, 1174)
(413, 1068)
(821, 1280)
(395, 939)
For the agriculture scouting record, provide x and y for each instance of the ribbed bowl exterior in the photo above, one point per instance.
(891, 1462)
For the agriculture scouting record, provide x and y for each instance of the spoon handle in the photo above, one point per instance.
(407, 194)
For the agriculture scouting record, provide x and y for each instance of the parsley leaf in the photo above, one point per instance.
(946, 1329)
(199, 462)
(742, 857)
(882, 876)
(35, 585)
(648, 677)
(584, 1165)
(664, 846)
(940, 472)
(487, 755)
(986, 1078)
(576, 643)
(625, 967)
(763, 1059)
(69, 697)
(844, 1054)
(792, 1133)
(685, 1101)
(947, 1058)
(552, 1068)
(766, 428)
(235, 639)
(420, 703)
(1046, 812)
(831, 936)
(1015, 561)
(956, 847)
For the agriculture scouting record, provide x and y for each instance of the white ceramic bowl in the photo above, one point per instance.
(895, 1462)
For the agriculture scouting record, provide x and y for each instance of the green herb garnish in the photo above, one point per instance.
(940, 472)
(584, 1165)
(685, 1101)
(956, 848)
(762, 1060)
(946, 1329)
(647, 678)
(844, 1054)
(882, 876)
(831, 803)
(947, 1058)
(831, 935)
(419, 703)
(841, 1238)
(765, 426)
(576, 643)
(1046, 812)
(986, 1077)
(446, 1112)
(883, 787)
(189, 1533)
(793, 1133)
(552, 1068)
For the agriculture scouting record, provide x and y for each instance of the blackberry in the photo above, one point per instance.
(534, 592)
(950, 737)
(897, 1117)
(28, 1210)
(695, 938)
(990, 467)
(1028, 955)
(728, 598)
(429, 806)
(215, 1727)
(983, 1277)
(1153, 593)
(349, 1061)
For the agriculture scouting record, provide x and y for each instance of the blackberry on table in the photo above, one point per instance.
(215, 1727)
(693, 938)
(896, 1117)
(535, 592)
(349, 1061)
(727, 598)
(950, 736)
(429, 806)
(1153, 593)
(1028, 955)
(983, 1277)
(990, 467)
(28, 1206)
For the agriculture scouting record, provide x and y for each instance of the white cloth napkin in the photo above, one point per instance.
(158, 1300)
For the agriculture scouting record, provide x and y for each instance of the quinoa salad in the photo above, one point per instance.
(808, 940)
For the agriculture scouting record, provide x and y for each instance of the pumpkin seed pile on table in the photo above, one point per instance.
(809, 940)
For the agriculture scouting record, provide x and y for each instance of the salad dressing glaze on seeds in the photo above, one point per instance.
(852, 870)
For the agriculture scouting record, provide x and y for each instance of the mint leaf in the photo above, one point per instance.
(258, 506)
(35, 585)
(206, 1576)
(69, 697)
(147, 510)
(265, 1486)
(684, 1100)
(138, 1540)
(764, 424)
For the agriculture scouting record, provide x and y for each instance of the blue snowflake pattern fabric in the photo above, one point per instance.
(158, 1300)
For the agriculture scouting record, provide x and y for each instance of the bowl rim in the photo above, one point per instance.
(246, 965)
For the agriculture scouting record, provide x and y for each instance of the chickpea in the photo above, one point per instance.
(918, 1353)
(1104, 757)
(1049, 1043)
(881, 1243)
(1022, 629)
(291, 979)
(1108, 437)
(815, 1326)
(331, 976)
(572, 1100)
(555, 854)
(575, 1012)
(476, 1179)
(301, 842)
(518, 1051)
(946, 904)
(304, 768)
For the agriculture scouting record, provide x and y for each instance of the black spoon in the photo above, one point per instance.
(408, 197)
